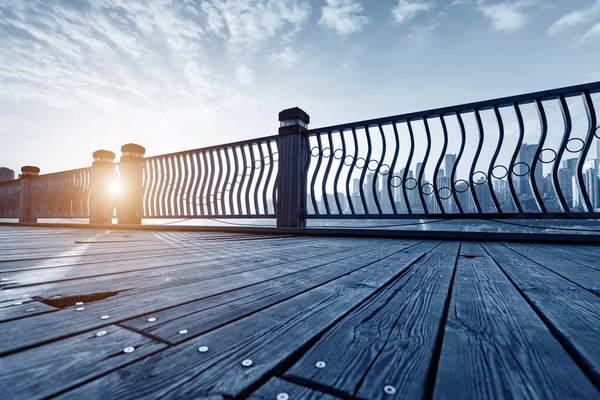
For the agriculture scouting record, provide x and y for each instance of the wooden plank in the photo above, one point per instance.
(579, 274)
(204, 315)
(494, 343)
(269, 338)
(22, 308)
(277, 388)
(579, 254)
(571, 312)
(389, 340)
(50, 369)
(134, 303)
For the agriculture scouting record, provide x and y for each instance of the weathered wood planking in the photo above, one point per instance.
(278, 387)
(268, 338)
(582, 275)
(134, 303)
(204, 315)
(572, 313)
(390, 340)
(584, 255)
(50, 369)
(23, 307)
(495, 345)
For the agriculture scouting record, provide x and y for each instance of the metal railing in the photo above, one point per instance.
(10, 192)
(238, 180)
(393, 167)
(61, 195)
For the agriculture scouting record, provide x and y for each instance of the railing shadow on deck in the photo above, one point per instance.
(533, 156)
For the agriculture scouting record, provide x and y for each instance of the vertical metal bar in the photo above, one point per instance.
(250, 180)
(393, 166)
(196, 167)
(268, 179)
(227, 192)
(154, 191)
(336, 180)
(326, 174)
(424, 165)
(377, 173)
(439, 165)
(259, 181)
(474, 164)
(315, 173)
(511, 184)
(162, 186)
(534, 163)
(566, 114)
(218, 187)
(188, 159)
(591, 115)
(210, 192)
(463, 137)
(243, 173)
(170, 186)
(495, 158)
(179, 190)
(206, 172)
(365, 169)
(349, 176)
(407, 167)
(236, 171)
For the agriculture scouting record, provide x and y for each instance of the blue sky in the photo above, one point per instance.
(80, 75)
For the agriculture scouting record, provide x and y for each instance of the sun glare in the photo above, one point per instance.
(115, 186)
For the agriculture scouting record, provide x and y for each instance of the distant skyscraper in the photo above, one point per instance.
(6, 174)
(524, 182)
(450, 161)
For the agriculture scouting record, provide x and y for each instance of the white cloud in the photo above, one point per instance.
(287, 58)
(244, 75)
(248, 24)
(406, 10)
(505, 17)
(574, 19)
(592, 33)
(343, 16)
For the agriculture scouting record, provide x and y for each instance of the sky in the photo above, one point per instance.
(81, 75)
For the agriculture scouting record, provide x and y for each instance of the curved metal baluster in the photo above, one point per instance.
(243, 180)
(360, 191)
(210, 191)
(218, 185)
(250, 179)
(171, 186)
(226, 182)
(268, 180)
(592, 122)
(315, 173)
(407, 168)
(339, 171)
(392, 166)
(206, 172)
(349, 176)
(377, 173)
(463, 137)
(424, 165)
(154, 191)
(179, 189)
(534, 163)
(259, 180)
(474, 164)
(162, 186)
(511, 184)
(189, 171)
(566, 114)
(195, 160)
(234, 182)
(326, 175)
(439, 165)
(147, 187)
(365, 169)
(495, 158)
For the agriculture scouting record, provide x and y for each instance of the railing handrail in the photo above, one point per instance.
(70, 171)
(568, 91)
(216, 147)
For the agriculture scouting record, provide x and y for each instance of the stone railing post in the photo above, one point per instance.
(28, 174)
(293, 158)
(101, 179)
(131, 195)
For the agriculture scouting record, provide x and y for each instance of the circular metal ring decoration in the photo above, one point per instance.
(395, 181)
(346, 160)
(597, 132)
(248, 173)
(376, 165)
(495, 175)
(275, 159)
(411, 187)
(211, 198)
(521, 163)
(485, 178)
(541, 157)
(204, 201)
(325, 150)
(315, 151)
(439, 193)
(458, 182)
(364, 162)
(341, 155)
(266, 161)
(228, 187)
(575, 140)
(259, 164)
(384, 169)
(219, 195)
(239, 178)
(427, 184)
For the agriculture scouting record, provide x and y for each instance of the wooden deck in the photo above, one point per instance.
(122, 314)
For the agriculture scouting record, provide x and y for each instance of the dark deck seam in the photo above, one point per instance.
(146, 334)
(577, 357)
